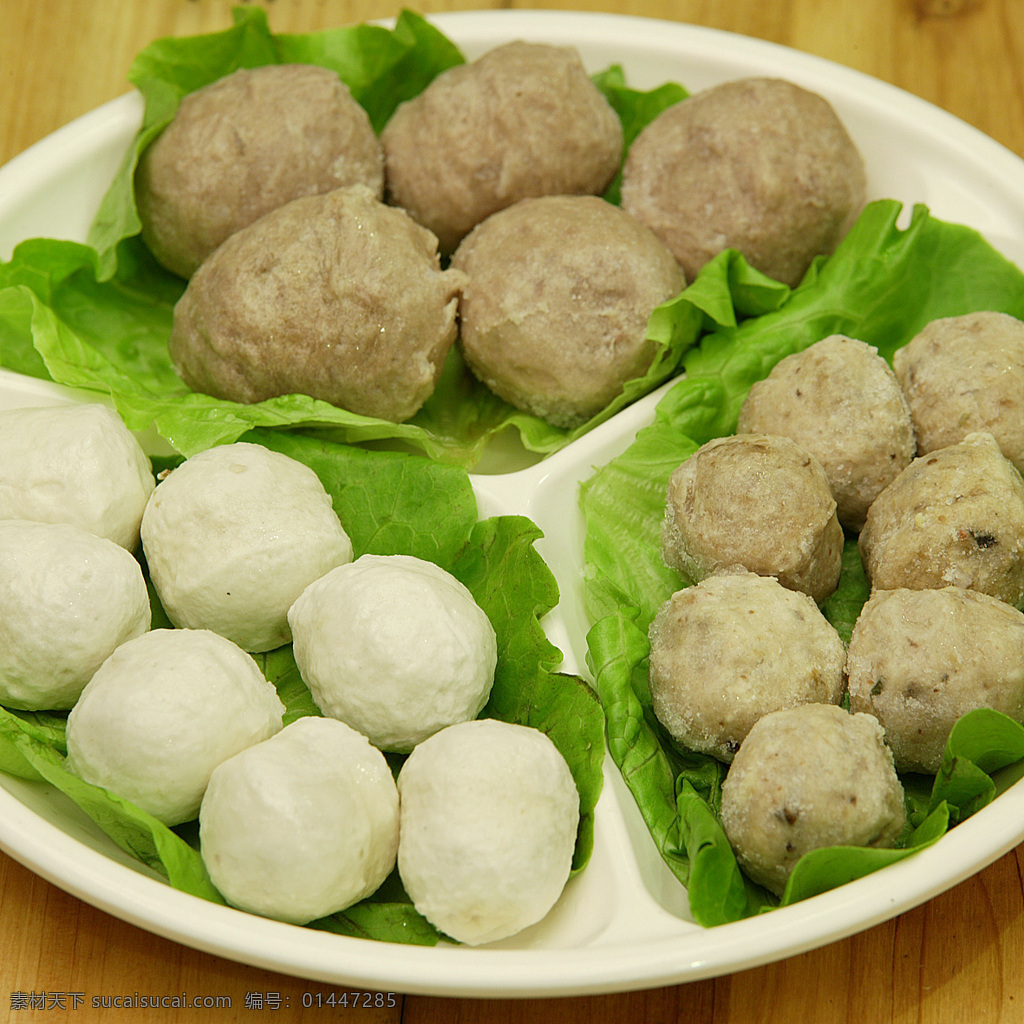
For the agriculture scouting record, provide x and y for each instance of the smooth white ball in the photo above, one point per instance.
(162, 712)
(67, 599)
(489, 820)
(302, 825)
(394, 646)
(74, 464)
(233, 535)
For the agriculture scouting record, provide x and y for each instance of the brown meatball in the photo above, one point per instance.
(756, 164)
(733, 648)
(919, 659)
(336, 296)
(758, 502)
(954, 517)
(840, 400)
(963, 374)
(523, 120)
(554, 311)
(808, 777)
(243, 145)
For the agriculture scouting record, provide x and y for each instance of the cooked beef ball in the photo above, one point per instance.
(954, 517)
(555, 307)
(336, 296)
(963, 374)
(809, 777)
(919, 659)
(840, 400)
(758, 502)
(523, 120)
(756, 164)
(243, 145)
(733, 648)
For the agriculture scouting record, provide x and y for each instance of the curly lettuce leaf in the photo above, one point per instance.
(882, 286)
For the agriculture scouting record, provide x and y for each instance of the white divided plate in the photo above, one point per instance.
(623, 923)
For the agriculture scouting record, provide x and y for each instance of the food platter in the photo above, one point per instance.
(623, 923)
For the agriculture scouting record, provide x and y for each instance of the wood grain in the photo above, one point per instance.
(958, 958)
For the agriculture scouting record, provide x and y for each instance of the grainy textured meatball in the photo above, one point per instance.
(954, 517)
(246, 144)
(805, 778)
(965, 373)
(840, 400)
(754, 501)
(561, 334)
(523, 120)
(919, 659)
(335, 296)
(755, 164)
(733, 648)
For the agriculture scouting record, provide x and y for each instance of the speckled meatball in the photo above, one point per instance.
(335, 296)
(840, 400)
(523, 120)
(954, 517)
(243, 145)
(919, 659)
(809, 777)
(756, 164)
(733, 648)
(755, 501)
(963, 374)
(555, 307)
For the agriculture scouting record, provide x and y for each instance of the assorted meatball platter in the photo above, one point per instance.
(734, 449)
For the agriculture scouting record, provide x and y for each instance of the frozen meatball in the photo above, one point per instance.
(954, 517)
(963, 374)
(301, 825)
(733, 648)
(805, 778)
(757, 502)
(523, 120)
(561, 335)
(162, 712)
(234, 535)
(840, 400)
(243, 145)
(919, 659)
(335, 296)
(489, 815)
(68, 599)
(74, 464)
(756, 164)
(417, 653)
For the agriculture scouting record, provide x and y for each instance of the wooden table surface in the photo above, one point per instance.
(958, 958)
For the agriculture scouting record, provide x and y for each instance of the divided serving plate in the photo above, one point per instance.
(623, 923)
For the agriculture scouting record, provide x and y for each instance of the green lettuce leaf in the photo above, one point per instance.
(636, 110)
(28, 753)
(510, 581)
(882, 285)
